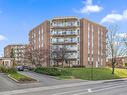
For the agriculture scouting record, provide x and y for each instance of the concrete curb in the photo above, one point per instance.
(13, 78)
(113, 80)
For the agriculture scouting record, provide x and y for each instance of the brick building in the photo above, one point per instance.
(15, 51)
(84, 40)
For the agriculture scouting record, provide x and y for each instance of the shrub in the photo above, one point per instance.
(11, 70)
(78, 66)
(7, 70)
(3, 70)
(125, 64)
(52, 71)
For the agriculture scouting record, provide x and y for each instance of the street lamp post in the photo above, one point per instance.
(92, 71)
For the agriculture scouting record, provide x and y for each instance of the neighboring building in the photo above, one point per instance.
(121, 62)
(15, 51)
(92, 44)
(7, 62)
(39, 38)
(85, 40)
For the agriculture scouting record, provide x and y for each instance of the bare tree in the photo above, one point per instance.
(28, 55)
(60, 55)
(125, 39)
(36, 57)
(40, 56)
(115, 47)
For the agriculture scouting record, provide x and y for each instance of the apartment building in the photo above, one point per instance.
(84, 40)
(64, 33)
(15, 51)
(92, 44)
(39, 38)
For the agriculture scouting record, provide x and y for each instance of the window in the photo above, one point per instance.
(78, 23)
(78, 61)
(92, 40)
(42, 37)
(78, 31)
(78, 39)
(88, 39)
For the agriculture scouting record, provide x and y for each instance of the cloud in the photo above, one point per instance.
(113, 17)
(90, 8)
(2, 38)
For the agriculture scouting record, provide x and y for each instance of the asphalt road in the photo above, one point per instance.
(81, 88)
(62, 87)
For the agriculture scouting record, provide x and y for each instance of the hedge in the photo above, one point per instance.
(52, 71)
(7, 70)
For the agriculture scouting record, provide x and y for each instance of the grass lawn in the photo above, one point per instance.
(98, 73)
(21, 78)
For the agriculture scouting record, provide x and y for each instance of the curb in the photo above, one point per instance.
(114, 80)
(13, 78)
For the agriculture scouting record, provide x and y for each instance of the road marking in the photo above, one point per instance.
(89, 90)
(82, 93)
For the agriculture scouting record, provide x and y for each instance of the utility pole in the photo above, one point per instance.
(92, 71)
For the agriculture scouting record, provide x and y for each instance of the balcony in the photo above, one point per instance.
(70, 59)
(66, 51)
(64, 27)
(63, 35)
(65, 18)
(64, 43)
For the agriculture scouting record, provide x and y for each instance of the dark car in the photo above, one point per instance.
(20, 68)
(30, 68)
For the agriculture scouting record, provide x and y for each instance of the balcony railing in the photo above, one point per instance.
(63, 27)
(66, 51)
(63, 35)
(73, 59)
(64, 43)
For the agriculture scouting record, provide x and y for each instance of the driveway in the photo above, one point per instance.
(46, 80)
(6, 83)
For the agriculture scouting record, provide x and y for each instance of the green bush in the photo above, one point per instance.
(11, 70)
(52, 71)
(7, 70)
(125, 64)
(3, 70)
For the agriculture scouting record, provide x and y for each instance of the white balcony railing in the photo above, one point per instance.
(64, 24)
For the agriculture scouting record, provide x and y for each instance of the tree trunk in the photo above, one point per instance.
(113, 67)
(63, 62)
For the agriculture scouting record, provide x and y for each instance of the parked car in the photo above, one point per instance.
(30, 68)
(25, 67)
(20, 68)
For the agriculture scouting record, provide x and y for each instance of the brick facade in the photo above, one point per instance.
(85, 40)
